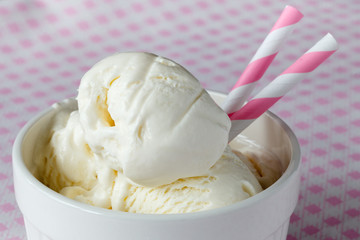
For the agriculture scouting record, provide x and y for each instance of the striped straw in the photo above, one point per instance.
(262, 59)
(282, 84)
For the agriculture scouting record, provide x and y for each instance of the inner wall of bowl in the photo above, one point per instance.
(35, 137)
(266, 131)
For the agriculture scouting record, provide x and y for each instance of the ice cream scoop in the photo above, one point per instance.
(143, 136)
(149, 118)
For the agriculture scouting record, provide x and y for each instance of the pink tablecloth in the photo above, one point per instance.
(46, 46)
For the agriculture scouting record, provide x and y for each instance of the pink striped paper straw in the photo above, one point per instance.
(267, 97)
(262, 59)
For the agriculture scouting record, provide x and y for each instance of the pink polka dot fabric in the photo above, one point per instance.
(46, 47)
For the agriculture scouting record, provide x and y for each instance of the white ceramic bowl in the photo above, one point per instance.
(265, 216)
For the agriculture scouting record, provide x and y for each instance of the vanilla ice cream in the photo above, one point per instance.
(150, 118)
(145, 137)
(228, 181)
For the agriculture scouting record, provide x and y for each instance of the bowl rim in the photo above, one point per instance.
(19, 164)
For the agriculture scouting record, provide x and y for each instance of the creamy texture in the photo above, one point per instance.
(144, 137)
(70, 167)
(150, 118)
(228, 181)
